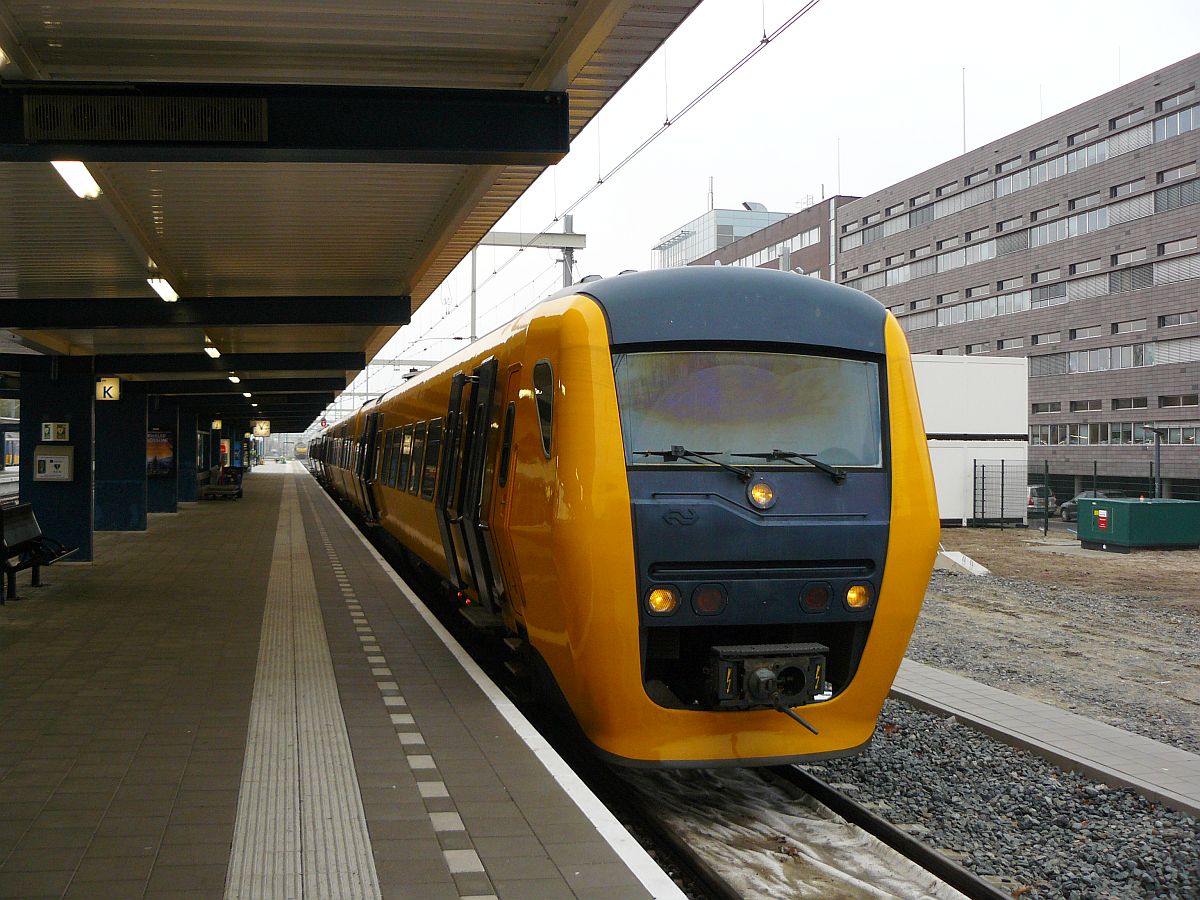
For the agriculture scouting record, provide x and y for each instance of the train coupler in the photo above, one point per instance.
(768, 675)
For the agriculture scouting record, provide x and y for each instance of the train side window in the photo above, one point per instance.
(418, 457)
(433, 446)
(506, 444)
(385, 455)
(389, 464)
(405, 458)
(398, 443)
(543, 392)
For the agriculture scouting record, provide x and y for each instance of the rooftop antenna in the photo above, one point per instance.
(964, 104)
(710, 193)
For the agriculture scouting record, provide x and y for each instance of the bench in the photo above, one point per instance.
(223, 484)
(23, 546)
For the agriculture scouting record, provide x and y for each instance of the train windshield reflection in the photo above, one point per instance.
(736, 400)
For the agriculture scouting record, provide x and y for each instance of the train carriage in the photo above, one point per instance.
(700, 497)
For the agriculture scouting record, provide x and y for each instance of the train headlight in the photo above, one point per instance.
(858, 596)
(815, 597)
(709, 599)
(662, 601)
(761, 494)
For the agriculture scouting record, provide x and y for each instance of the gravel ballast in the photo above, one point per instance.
(1015, 815)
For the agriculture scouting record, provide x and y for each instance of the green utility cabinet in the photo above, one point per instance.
(1124, 525)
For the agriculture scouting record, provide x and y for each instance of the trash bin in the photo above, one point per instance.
(1125, 524)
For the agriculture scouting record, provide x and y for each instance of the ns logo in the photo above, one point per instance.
(680, 517)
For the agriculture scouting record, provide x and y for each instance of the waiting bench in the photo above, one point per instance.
(223, 484)
(23, 546)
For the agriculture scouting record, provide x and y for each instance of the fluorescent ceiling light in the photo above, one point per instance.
(235, 379)
(210, 348)
(163, 288)
(246, 394)
(254, 404)
(78, 178)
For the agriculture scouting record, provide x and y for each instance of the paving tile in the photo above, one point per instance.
(24, 885)
(105, 890)
(187, 878)
(42, 859)
(114, 868)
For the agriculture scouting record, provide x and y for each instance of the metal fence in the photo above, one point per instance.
(999, 492)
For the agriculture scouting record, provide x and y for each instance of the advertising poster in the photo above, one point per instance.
(160, 454)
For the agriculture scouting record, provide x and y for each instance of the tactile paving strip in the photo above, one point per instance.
(301, 830)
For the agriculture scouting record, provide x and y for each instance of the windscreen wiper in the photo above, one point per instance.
(838, 475)
(677, 452)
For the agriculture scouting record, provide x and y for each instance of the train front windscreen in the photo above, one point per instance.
(729, 405)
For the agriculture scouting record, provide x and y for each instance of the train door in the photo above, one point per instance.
(449, 476)
(469, 510)
(366, 469)
(501, 493)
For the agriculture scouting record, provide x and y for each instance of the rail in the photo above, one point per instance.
(901, 841)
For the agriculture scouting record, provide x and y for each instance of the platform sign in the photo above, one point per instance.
(108, 388)
(262, 427)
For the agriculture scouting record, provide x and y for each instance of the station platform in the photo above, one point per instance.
(244, 701)
(1109, 755)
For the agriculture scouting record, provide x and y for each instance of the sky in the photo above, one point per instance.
(852, 97)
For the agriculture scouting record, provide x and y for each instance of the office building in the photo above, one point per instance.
(1072, 242)
(711, 231)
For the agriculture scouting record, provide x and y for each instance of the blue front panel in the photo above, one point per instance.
(695, 526)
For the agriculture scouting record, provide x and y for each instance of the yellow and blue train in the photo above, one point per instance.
(699, 500)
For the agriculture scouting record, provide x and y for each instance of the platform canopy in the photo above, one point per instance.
(301, 175)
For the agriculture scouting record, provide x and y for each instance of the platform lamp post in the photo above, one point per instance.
(1158, 436)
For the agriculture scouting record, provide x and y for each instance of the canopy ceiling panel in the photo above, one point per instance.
(296, 230)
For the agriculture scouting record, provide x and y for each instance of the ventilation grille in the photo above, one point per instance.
(86, 117)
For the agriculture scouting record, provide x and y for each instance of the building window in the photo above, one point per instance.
(983, 347)
(849, 226)
(1124, 190)
(1010, 284)
(1177, 246)
(894, 260)
(1172, 400)
(951, 297)
(1081, 137)
(1009, 224)
(1085, 202)
(924, 303)
(1128, 118)
(1043, 151)
(1079, 334)
(979, 290)
(873, 217)
(921, 251)
(1130, 325)
(1045, 275)
(917, 201)
(946, 188)
(1045, 213)
(1088, 265)
(976, 177)
(950, 351)
(1176, 99)
(1086, 406)
(893, 210)
(1174, 319)
(1129, 403)
(978, 233)
(849, 273)
(1129, 256)
(1008, 165)
(1049, 407)
(1175, 174)
(1048, 337)
(1011, 343)
(871, 266)
(947, 243)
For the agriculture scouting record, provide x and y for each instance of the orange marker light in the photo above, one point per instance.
(662, 601)
(858, 596)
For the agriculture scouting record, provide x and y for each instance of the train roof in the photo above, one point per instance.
(735, 303)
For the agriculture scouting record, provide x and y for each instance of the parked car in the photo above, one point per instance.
(1069, 511)
(1041, 502)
